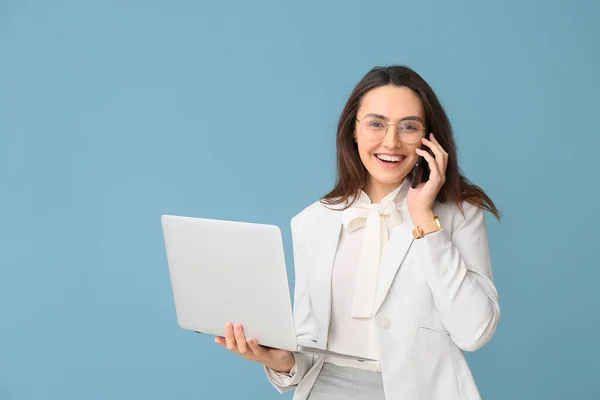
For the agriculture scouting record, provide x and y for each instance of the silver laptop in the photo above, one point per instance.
(227, 271)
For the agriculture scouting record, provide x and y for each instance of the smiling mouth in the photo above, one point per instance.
(389, 159)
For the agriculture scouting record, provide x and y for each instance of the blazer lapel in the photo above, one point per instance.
(398, 245)
(327, 238)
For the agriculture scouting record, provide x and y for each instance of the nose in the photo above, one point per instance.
(391, 140)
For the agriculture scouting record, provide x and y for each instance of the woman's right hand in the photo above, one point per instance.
(235, 340)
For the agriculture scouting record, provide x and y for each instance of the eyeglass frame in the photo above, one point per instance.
(397, 125)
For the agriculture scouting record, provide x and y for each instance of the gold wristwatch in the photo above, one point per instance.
(430, 227)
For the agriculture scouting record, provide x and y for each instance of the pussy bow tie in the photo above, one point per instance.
(372, 217)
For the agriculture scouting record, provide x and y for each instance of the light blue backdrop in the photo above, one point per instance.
(113, 113)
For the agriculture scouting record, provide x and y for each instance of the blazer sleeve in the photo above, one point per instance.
(303, 318)
(459, 272)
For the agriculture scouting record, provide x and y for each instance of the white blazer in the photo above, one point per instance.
(435, 299)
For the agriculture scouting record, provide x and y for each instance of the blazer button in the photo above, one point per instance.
(384, 322)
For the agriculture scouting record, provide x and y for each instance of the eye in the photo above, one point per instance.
(411, 126)
(375, 123)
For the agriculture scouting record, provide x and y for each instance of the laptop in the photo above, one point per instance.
(229, 271)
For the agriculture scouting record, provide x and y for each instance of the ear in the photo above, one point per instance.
(354, 136)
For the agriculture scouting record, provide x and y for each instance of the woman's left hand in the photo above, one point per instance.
(421, 199)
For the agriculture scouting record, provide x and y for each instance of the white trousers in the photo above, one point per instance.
(345, 383)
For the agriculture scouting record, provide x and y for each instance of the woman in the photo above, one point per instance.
(387, 269)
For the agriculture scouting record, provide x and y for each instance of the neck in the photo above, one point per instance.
(377, 190)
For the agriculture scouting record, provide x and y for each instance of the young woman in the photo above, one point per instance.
(388, 266)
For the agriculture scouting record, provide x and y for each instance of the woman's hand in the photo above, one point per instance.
(235, 340)
(421, 199)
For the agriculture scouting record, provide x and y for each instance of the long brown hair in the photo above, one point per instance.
(351, 173)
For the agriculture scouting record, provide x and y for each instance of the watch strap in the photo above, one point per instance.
(430, 227)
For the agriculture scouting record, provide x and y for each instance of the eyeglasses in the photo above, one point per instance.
(409, 131)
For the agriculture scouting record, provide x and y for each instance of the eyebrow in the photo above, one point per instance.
(411, 117)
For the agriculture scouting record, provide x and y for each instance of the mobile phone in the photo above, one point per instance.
(421, 164)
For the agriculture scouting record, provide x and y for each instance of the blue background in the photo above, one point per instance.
(113, 113)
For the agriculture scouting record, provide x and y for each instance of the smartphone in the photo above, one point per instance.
(421, 164)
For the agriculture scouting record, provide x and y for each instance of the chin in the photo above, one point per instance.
(389, 180)
(391, 176)
(388, 176)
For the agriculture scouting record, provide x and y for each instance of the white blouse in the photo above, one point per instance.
(350, 333)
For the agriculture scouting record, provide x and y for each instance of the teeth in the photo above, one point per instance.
(388, 158)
